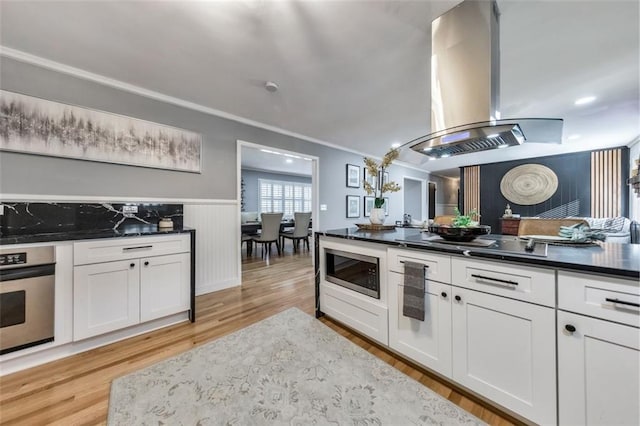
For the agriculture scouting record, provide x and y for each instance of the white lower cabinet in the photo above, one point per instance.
(599, 371)
(109, 296)
(427, 342)
(106, 297)
(164, 288)
(504, 350)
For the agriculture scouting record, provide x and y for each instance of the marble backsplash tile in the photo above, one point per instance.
(22, 218)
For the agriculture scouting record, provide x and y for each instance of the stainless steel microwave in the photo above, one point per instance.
(354, 271)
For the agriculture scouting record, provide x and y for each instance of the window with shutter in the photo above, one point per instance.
(285, 197)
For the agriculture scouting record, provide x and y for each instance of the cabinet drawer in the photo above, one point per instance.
(438, 266)
(97, 251)
(601, 297)
(348, 307)
(535, 285)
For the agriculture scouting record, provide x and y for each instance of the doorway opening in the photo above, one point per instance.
(273, 180)
(414, 202)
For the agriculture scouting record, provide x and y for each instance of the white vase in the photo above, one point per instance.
(377, 216)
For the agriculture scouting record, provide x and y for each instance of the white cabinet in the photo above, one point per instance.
(106, 297)
(598, 354)
(504, 350)
(427, 342)
(164, 285)
(599, 371)
(115, 294)
(481, 330)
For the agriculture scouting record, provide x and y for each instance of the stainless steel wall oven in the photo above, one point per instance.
(354, 271)
(27, 297)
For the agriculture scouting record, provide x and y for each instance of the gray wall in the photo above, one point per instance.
(251, 194)
(32, 174)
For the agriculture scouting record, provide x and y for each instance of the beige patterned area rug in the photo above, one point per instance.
(289, 369)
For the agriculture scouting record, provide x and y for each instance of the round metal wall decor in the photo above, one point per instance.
(529, 184)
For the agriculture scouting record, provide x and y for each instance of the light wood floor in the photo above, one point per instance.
(75, 390)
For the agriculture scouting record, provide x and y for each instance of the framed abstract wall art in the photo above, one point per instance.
(38, 126)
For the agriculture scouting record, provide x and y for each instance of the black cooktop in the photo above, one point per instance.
(490, 243)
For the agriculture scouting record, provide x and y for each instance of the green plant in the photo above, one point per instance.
(464, 221)
(377, 171)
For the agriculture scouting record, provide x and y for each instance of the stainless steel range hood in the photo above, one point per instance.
(465, 79)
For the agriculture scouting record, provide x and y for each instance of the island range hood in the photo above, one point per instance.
(465, 79)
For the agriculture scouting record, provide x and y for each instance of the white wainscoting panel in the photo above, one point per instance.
(217, 244)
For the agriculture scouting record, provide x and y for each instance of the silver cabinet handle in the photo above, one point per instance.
(136, 248)
(622, 302)
(482, 277)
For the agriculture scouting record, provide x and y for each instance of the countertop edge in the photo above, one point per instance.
(99, 234)
(478, 253)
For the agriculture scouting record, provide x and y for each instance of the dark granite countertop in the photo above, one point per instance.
(621, 260)
(133, 230)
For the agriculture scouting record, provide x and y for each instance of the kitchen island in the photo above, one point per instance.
(533, 333)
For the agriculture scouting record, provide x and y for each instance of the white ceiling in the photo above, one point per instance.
(352, 73)
(275, 161)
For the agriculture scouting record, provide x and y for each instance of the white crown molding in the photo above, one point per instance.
(28, 58)
(35, 198)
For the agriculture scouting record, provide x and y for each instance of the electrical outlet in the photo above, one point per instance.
(129, 209)
(323, 207)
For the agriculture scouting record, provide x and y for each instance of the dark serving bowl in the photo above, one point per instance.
(450, 233)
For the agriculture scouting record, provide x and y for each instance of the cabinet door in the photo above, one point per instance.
(505, 350)
(164, 285)
(106, 297)
(598, 372)
(427, 342)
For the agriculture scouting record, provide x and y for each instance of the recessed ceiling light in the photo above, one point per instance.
(502, 146)
(573, 137)
(427, 149)
(271, 86)
(444, 156)
(585, 100)
(289, 160)
(493, 135)
(395, 145)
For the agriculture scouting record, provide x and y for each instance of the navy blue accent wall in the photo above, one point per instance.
(574, 184)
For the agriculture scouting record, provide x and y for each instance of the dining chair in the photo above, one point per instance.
(300, 231)
(270, 232)
(246, 238)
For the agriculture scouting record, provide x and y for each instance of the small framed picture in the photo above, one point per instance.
(353, 206)
(369, 203)
(386, 204)
(353, 176)
(385, 177)
(373, 181)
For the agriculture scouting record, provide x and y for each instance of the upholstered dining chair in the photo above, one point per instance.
(300, 231)
(270, 232)
(246, 238)
(536, 226)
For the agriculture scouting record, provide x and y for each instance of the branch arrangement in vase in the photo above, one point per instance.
(381, 187)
